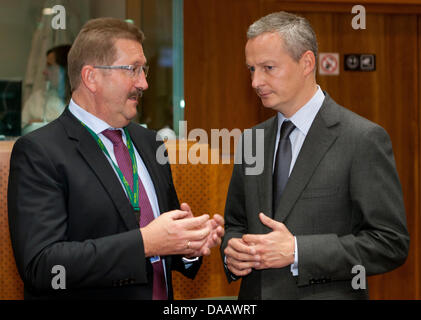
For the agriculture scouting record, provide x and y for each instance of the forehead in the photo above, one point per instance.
(129, 51)
(267, 46)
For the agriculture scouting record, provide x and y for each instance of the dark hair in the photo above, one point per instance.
(61, 53)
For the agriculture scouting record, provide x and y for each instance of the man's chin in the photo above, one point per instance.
(129, 114)
(268, 105)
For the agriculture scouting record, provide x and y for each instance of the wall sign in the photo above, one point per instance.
(329, 63)
(360, 62)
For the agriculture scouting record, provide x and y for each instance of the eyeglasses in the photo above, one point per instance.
(134, 71)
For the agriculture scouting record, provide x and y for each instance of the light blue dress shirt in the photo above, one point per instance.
(302, 120)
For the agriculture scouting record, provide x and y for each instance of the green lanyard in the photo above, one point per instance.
(133, 195)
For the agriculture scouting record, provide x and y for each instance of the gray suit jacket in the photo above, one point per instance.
(343, 202)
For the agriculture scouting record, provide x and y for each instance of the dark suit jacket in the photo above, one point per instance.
(343, 202)
(67, 207)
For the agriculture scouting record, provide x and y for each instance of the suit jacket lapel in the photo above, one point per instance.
(265, 179)
(99, 164)
(318, 141)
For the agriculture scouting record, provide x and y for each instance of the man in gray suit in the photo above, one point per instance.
(329, 197)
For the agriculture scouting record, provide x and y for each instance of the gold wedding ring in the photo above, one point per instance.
(188, 244)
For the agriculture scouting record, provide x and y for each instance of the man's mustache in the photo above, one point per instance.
(136, 94)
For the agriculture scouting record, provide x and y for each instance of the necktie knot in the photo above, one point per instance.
(113, 135)
(121, 154)
(286, 128)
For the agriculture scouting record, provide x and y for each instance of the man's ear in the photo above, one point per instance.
(308, 61)
(89, 77)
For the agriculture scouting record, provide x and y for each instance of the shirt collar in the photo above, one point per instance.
(304, 117)
(94, 123)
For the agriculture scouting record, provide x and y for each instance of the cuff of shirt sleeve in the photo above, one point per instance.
(233, 276)
(294, 266)
(189, 262)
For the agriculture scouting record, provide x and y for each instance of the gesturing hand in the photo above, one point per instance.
(175, 232)
(213, 239)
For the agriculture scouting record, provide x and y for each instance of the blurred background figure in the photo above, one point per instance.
(47, 104)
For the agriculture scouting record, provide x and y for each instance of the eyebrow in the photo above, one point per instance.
(138, 62)
(267, 62)
(271, 62)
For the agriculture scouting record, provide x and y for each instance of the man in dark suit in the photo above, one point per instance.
(329, 197)
(86, 194)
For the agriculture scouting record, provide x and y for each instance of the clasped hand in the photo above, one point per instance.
(179, 232)
(261, 251)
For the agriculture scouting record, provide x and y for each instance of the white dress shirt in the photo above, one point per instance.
(302, 120)
(98, 126)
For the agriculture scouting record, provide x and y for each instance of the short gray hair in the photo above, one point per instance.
(296, 32)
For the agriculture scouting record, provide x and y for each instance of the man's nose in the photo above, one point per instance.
(141, 82)
(257, 78)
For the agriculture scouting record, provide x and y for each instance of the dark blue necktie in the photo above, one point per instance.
(282, 163)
